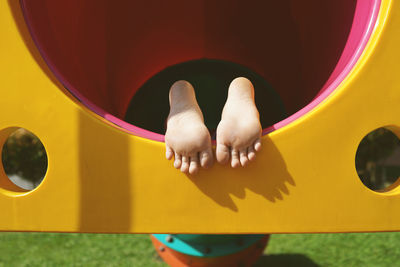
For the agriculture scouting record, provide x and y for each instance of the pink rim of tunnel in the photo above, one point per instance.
(364, 21)
(365, 17)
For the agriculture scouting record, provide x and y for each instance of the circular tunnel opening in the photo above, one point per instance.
(106, 52)
(211, 79)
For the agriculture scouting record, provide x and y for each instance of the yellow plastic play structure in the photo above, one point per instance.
(102, 178)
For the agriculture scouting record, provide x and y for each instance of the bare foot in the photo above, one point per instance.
(187, 138)
(239, 132)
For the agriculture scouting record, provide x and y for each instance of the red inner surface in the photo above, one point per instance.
(107, 49)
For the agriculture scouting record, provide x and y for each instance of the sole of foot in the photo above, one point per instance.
(187, 138)
(239, 131)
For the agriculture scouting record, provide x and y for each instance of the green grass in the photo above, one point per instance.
(40, 249)
(373, 249)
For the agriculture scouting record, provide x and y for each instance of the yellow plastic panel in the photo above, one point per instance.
(103, 179)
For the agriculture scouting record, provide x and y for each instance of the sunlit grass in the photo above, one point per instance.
(41, 249)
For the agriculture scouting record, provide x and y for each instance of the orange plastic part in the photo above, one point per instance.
(244, 258)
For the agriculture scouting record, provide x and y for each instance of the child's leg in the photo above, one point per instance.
(187, 138)
(239, 132)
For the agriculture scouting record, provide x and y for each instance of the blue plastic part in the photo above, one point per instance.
(207, 245)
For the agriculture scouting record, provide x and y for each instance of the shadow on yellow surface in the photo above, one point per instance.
(237, 180)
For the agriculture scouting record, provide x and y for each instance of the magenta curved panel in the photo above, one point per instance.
(364, 22)
(365, 17)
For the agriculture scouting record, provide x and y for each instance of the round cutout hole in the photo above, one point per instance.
(378, 160)
(24, 159)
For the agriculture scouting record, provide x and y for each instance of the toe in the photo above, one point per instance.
(206, 159)
(243, 157)
(235, 158)
(257, 145)
(168, 152)
(194, 165)
(222, 153)
(178, 161)
(185, 164)
(251, 154)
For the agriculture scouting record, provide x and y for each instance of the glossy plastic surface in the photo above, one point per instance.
(101, 178)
